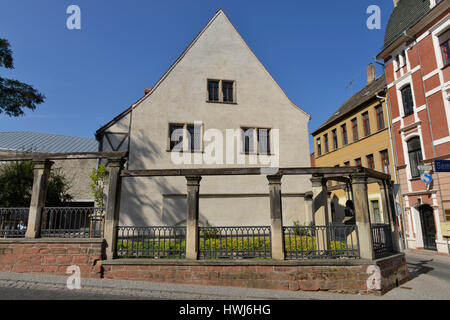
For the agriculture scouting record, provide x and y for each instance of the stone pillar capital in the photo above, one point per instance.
(116, 162)
(42, 164)
(318, 181)
(359, 178)
(193, 180)
(275, 179)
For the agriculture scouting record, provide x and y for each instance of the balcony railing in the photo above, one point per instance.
(151, 242)
(65, 222)
(13, 222)
(308, 242)
(382, 240)
(234, 242)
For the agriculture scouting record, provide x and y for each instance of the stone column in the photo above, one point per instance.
(362, 215)
(193, 190)
(276, 217)
(308, 207)
(392, 216)
(320, 210)
(384, 202)
(113, 206)
(41, 170)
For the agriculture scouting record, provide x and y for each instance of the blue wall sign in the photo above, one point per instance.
(426, 177)
(442, 165)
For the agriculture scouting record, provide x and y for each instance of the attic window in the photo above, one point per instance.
(223, 91)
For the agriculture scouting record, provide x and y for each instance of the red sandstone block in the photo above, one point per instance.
(7, 259)
(48, 260)
(63, 260)
(37, 268)
(23, 260)
(58, 250)
(31, 250)
(28, 244)
(44, 251)
(308, 285)
(18, 250)
(50, 269)
(293, 286)
(21, 268)
(263, 269)
(80, 259)
(73, 250)
(182, 268)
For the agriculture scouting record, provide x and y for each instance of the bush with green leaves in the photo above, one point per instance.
(16, 184)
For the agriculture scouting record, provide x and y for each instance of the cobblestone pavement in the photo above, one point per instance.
(430, 279)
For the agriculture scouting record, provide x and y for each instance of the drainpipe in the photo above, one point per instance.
(429, 119)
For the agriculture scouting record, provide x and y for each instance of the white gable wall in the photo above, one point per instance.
(218, 53)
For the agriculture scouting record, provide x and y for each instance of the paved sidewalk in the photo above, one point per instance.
(120, 289)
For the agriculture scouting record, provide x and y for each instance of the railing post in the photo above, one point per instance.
(41, 170)
(320, 211)
(276, 217)
(193, 190)
(362, 216)
(113, 206)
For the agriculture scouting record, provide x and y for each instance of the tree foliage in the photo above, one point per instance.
(98, 178)
(16, 184)
(15, 96)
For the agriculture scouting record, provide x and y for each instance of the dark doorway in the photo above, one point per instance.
(428, 227)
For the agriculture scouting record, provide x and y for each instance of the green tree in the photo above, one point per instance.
(16, 183)
(15, 95)
(98, 178)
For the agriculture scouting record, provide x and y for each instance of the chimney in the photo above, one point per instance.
(371, 73)
(396, 3)
(147, 90)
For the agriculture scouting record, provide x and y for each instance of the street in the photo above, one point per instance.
(429, 280)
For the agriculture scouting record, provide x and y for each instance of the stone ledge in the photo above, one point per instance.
(51, 240)
(250, 262)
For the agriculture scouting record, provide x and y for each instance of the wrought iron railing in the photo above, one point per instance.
(234, 242)
(13, 222)
(382, 239)
(151, 242)
(72, 222)
(308, 242)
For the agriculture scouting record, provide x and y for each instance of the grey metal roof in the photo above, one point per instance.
(352, 103)
(45, 142)
(405, 15)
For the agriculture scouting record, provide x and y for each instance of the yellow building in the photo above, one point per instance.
(357, 134)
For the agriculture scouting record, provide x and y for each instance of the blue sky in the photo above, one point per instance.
(313, 49)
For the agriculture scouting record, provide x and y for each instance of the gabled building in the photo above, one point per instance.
(417, 65)
(216, 86)
(357, 134)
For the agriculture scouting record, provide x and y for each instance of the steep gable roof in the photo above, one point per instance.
(174, 64)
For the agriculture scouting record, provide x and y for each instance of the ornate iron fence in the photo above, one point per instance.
(234, 242)
(151, 242)
(382, 239)
(308, 242)
(13, 222)
(72, 222)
